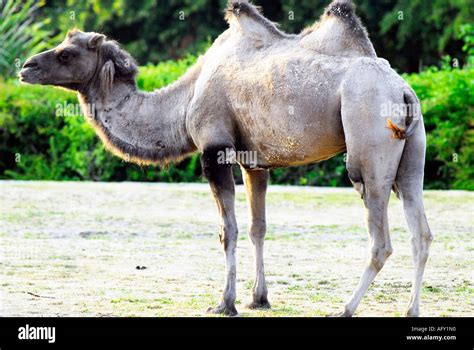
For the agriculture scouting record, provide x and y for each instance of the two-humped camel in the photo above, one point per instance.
(289, 99)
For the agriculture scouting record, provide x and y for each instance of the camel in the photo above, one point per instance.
(288, 99)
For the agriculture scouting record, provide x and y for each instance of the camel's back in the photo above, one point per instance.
(282, 97)
(275, 95)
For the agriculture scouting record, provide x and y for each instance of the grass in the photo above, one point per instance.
(83, 244)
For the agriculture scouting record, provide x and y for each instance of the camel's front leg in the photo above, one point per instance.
(222, 185)
(256, 187)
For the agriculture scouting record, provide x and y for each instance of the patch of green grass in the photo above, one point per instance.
(295, 287)
(384, 297)
(276, 311)
(317, 297)
(282, 282)
(297, 277)
(127, 306)
(319, 313)
(431, 289)
(325, 229)
(67, 266)
(248, 285)
(184, 235)
(59, 257)
(240, 198)
(449, 199)
(31, 235)
(128, 300)
(99, 235)
(465, 288)
(326, 298)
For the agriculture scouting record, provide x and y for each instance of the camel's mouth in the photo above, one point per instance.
(30, 75)
(31, 72)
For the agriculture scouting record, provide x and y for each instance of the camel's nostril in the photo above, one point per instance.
(30, 64)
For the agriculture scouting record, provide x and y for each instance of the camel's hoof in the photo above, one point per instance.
(412, 313)
(223, 310)
(256, 305)
(344, 313)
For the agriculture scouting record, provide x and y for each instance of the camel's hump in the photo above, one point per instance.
(249, 19)
(338, 32)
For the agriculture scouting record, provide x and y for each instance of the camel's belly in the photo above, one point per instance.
(288, 111)
(270, 160)
(278, 146)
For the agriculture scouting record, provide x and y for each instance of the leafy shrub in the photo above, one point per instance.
(20, 37)
(163, 74)
(448, 108)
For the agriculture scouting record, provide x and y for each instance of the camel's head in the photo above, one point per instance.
(79, 61)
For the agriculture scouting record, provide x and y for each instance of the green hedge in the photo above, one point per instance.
(37, 144)
(447, 98)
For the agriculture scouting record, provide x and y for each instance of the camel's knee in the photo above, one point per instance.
(426, 238)
(379, 256)
(257, 231)
(228, 237)
(356, 178)
(422, 243)
(416, 217)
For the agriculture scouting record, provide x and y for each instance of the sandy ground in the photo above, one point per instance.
(72, 249)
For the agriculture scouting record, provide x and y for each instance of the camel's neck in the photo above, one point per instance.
(143, 127)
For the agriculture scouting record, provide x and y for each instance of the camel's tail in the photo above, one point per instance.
(414, 112)
(412, 118)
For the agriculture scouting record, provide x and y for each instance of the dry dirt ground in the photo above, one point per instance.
(72, 249)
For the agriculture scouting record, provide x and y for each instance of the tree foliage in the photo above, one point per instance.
(409, 33)
(21, 33)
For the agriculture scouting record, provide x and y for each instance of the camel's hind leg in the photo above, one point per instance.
(372, 162)
(374, 177)
(410, 185)
(256, 188)
(376, 196)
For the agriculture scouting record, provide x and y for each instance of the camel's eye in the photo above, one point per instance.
(64, 56)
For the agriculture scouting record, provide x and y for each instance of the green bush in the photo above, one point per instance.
(163, 74)
(37, 144)
(448, 108)
(21, 33)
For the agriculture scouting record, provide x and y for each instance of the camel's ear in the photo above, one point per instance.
(96, 41)
(125, 65)
(107, 77)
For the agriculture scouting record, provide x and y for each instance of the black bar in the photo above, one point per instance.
(367, 332)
